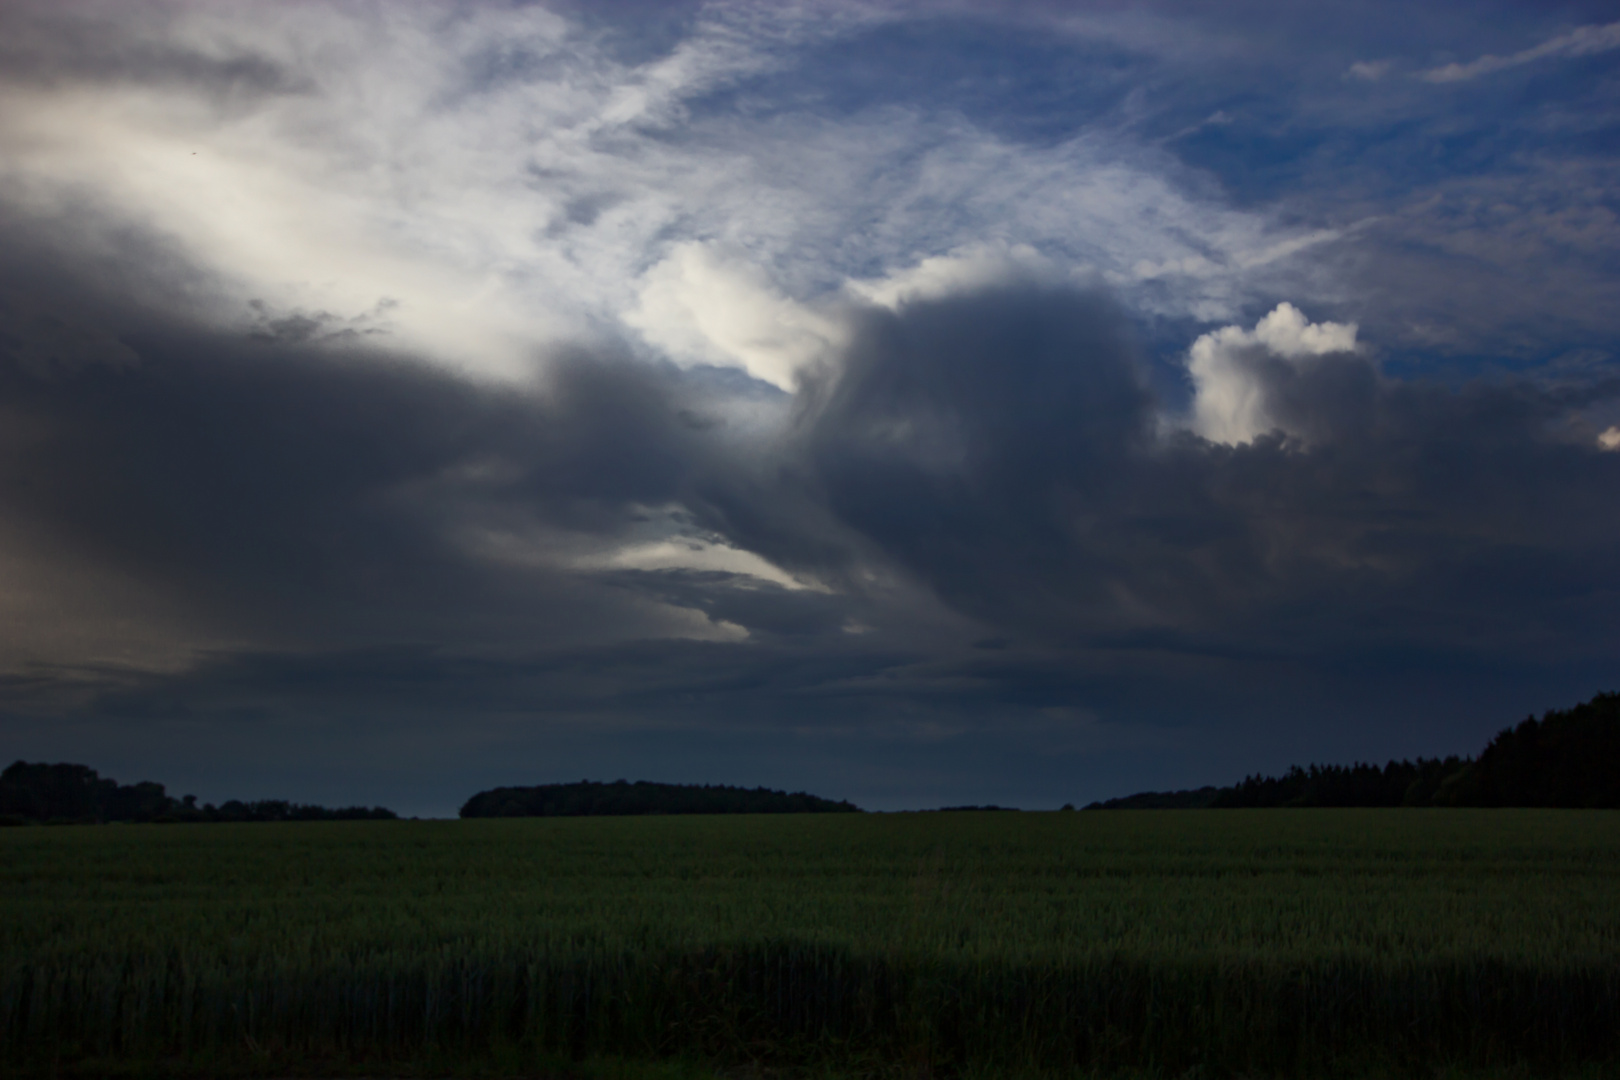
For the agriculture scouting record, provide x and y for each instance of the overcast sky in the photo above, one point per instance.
(903, 402)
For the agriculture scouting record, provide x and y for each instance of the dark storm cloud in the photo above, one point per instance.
(970, 439)
(1002, 448)
(303, 497)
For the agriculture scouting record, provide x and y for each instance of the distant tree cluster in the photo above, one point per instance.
(64, 794)
(590, 799)
(1398, 783)
(1568, 758)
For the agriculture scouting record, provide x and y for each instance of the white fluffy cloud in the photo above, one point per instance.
(1230, 403)
(701, 306)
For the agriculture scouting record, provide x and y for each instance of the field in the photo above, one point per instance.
(1204, 943)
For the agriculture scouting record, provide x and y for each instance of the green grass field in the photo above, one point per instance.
(1209, 943)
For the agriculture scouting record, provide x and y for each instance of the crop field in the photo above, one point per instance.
(1205, 943)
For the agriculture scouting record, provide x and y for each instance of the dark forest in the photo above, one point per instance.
(1569, 758)
(77, 794)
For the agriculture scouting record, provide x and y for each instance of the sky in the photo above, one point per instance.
(916, 403)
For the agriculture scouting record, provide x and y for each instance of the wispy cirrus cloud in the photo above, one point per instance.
(1582, 41)
(502, 180)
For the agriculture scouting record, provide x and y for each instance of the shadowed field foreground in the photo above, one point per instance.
(1232, 943)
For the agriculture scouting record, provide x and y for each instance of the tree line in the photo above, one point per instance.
(1568, 758)
(592, 798)
(75, 794)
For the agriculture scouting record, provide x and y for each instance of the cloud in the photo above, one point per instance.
(1002, 447)
(1235, 372)
(270, 493)
(1368, 70)
(1218, 118)
(698, 306)
(969, 269)
(992, 448)
(1510, 267)
(1582, 41)
(507, 179)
